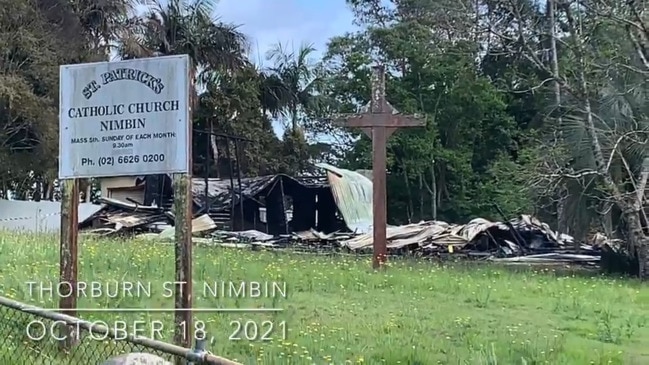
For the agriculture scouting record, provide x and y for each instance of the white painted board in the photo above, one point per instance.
(38, 217)
(124, 118)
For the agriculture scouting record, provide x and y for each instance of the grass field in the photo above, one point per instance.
(337, 311)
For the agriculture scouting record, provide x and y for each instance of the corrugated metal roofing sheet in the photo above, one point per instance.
(440, 233)
(219, 189)
(353, 195)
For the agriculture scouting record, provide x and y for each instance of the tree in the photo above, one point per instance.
(217, 52)
(604, 131)
(298, 81)
(294, 83)
(540, 107)
(37, 36)
(437, 172)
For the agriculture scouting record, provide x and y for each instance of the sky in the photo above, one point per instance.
(290, 22)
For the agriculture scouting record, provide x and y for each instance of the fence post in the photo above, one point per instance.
(199, 349)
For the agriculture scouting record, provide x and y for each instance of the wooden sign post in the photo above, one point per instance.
(68, 255)
(127, 118)
(379, 122)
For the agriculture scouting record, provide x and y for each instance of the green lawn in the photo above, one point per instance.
(338, 311)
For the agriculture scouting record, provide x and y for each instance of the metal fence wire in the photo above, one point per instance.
(19, 347)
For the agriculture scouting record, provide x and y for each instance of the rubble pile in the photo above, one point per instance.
(524, 236)
(521, 240)
(119, 216)
(524, 239)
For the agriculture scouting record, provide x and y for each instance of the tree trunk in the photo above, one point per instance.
(37, 195)
(638, 241)
(551, 4)
(83, 186)
(640, 192)
(561, 204)
(421, 197)
(433, 202)
(215, 149)
(411, 208)
(432, 190)
(89, 191)
(294, 119)
(49, 192)
(606, 219)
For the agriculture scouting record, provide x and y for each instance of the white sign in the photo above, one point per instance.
(124, 118)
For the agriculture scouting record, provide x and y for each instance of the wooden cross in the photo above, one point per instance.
(379, 120)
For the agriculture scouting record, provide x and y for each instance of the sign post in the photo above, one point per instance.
(127, 118)
(379, 122)
(68, 255)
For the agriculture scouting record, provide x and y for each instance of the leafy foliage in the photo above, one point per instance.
(531, 107)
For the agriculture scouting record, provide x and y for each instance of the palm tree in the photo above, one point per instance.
(187, 27)
(273, 95)
(104, 22)
(293, 81)
(216, 49)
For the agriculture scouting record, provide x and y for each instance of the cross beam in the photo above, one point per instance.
(379, 122)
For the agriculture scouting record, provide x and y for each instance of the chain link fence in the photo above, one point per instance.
(31, 335)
